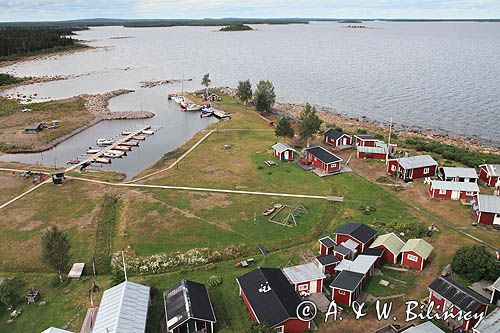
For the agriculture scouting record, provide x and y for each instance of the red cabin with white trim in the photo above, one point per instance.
(411, 168)
(365, 140)
(336, 138)
(360, 233)
(326, 245)
(453, 190)
(283, 152)
(346, 287)
(487, 210)
(416, 253)
(489, 174)
(323, 160)
(307, 278)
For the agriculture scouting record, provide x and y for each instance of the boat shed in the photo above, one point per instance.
(123, 308)
(33, 128)
(336, 138)
(283, 152)
(489, 174)
(411, 168)
(346, 287)
(358, 232)
(307, 278)
(415, 253)
(392, 245)
(188, 308)
(271, 300)
(447, 294)
(453, 174)
(487, 210)
(375, 153)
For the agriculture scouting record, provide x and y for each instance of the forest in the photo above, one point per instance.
(16, 42)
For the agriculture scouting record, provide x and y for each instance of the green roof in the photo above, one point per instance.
(419, 246)
(390, 241)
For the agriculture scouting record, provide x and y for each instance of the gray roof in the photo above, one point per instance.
(365, 137)
(489, 203)
(371, 150)
(427, 327)
(496, 284)
(454, 186)
(281, 147)
(459, 172)
(490, 323)
(303, 273)
(493, 169)
(414, 162)
(123, 308)
(362, 264)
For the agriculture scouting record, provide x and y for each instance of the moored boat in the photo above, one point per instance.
(139, 137)
(130, 144)
(102, 160)
(148, 132)
(104, 142)
(73, 161)
(123, 148)
(92, 151)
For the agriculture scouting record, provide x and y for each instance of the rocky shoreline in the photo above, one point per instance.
(98, 105)
(351, 124)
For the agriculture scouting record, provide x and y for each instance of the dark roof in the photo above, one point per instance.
(187, 300)
(33, 126)
(334, 134)
(327, 241)
(361, 232)
(329, 259)
(342, 249)
(270, 295)
(378, 252)
(323, 155)
(367, 137)
(347, 280)
(463, 298)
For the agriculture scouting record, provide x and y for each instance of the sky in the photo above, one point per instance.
(42, 10)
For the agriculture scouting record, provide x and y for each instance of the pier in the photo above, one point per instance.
(106, 149)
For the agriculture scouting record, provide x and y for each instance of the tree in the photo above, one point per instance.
(8, 294)
(309, 123)
(284, 128)
(264, 96)
(244, 91)
(55, 250)
(475, 263)
(206, 82)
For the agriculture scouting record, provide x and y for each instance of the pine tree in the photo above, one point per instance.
(206, 82)
(244, 92)
(284, 128)
(55, 250)
(264, 96)
(309, 123)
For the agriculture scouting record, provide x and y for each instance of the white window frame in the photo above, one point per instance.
(303, 287)
(393, 167)
(280, 329)
(442, 191)
(469, 193)
(427, 170)
(341, 292)
(411, 257)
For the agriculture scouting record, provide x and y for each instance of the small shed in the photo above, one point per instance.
(307, 278)
(376, 252)
(365, 140)
(336, 138)
(392, 245)
(415, 253)
(346, 287)
(326, 245)
(375, 153)
(34, 128)
(363, 264)
(57, 176)
(283, 152)
(327, 263)
(76, 271)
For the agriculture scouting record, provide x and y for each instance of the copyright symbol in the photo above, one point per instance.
(306, 311)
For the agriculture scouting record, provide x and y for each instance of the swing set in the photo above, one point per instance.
(292, 214)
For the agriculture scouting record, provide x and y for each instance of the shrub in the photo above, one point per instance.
(8, 294)
(475, 263)
(210, 267)
(214, 281)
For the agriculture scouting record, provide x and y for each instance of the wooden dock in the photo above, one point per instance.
(118, 142)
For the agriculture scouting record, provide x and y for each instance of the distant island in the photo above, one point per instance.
(350, 21)
(236, 27)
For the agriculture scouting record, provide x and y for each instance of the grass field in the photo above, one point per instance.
(145, 222)
(71, 114)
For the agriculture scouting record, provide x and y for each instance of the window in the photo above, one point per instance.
(469, 193)
(280, 329)
(393, 167)
(341, 292)
(411, 257)
(442, 191)
(426, 170)
(303, 287)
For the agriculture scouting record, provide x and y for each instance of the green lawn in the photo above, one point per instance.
(399, 283)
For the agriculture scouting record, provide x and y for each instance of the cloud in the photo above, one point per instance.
(24, 10)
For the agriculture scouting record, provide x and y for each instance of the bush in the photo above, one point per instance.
(258, 328)
(214, 281)
(475, 263)
(8, 294)
(210, 267)
(361, 131)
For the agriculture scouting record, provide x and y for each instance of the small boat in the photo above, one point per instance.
(117, 152)
(130, 144)
(92, 151)
(194, 107)
(221, 114)
(73, 161)
(123, 148)
(148, 132)
(184, 105)
(104, 142)
(102, 160)
(139, 137)
(125, 133)
(110, 155)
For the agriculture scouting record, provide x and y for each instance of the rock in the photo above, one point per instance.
(447, 271)
(42, 303)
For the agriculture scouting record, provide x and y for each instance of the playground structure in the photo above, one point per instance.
(292, 214)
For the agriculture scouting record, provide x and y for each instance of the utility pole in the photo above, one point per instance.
(388, 143)
(124, 267)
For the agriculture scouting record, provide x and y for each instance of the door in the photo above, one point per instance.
(455, 195)
(344, 141)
